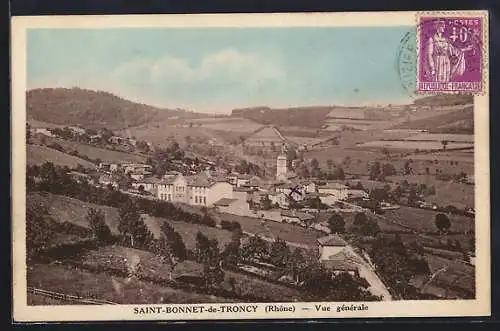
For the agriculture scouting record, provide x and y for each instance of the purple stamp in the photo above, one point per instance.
(450, 54)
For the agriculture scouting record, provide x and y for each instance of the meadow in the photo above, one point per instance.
(37, 155)
(65, 279)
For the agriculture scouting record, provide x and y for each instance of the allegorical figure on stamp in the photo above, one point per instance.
(444, 60)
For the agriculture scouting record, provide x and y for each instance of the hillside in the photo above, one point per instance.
(40, 154)
(92, 109)
(445, 100)
(312, 117)
(459, 121)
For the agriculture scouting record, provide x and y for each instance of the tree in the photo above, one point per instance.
(314, 164)
(38, 230)
(336, 223)
(174, 241)
(132, 227)
(364, 225)
(279, 253)
(407, 169)
(329, 163)
(442, 222)
(28, 133)
(255, 248)
(232, 252)
(388, 169)
(96, 220)
(374, 169)
(444, 143)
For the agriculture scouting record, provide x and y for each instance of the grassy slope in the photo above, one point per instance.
(101, 286)
(72, 210)
(106, 155)
(40, 154)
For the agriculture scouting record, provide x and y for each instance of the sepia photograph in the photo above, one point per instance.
(170, 167)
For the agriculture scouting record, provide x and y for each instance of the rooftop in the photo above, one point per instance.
(333, 185)
(332, 240)
(339, 265)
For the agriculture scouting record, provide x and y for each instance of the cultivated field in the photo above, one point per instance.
(37, 155)
(63, 209)
(188, 231)
(235, 124)
(447, 193)
(423, 220)
(271, 229)
(63, 279)
(106, 155)
(413, 145)
(469, 138)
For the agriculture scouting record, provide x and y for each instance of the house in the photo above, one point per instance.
(243, 193)
(338, 266)
(149, 184)
(106, 180)
(297, 217)
(327, 199)
(356, 194)
(232, 206)
(45, 132)
(81, 177)
(329, 246)
(246, 180)
(339, 191)
(77, 130)
(193, 190)
(281, 199)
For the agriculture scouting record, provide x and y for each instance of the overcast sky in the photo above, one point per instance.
(218, 69)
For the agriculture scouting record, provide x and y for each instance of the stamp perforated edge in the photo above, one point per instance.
(485, 47)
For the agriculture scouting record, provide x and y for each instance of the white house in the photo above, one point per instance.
(339, 191)
(330, 245)
(193, 190)
(327, 199)
(232, 206)
(280, 199)
(44, 131)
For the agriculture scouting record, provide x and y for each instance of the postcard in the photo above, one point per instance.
(250, 166)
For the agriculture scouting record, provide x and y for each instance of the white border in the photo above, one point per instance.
(21, 312)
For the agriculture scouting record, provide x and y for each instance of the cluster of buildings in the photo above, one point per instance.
(237, 194)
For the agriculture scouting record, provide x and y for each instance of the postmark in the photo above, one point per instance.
(450, 54)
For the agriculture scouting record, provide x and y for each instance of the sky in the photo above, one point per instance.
(218, 69)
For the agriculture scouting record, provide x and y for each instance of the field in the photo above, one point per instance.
(106, 155)
(188, 231)
(69, 280)
(160, 133)
(469, 138)
(287, 232)
(447, 193)
(236, 124)
(39, 154)
(422, 220)
(62, 209)
(413, 145)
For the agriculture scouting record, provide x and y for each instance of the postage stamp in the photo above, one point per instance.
(250, 166)
(451, 53)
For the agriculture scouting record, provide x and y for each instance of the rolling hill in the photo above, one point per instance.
(91, 109)
(312, 117)
(458, 121)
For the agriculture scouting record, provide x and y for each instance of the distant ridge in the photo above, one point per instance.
(88, 108)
